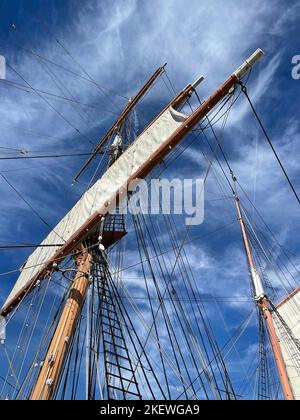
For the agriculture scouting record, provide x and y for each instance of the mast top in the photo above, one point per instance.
(120, 120)
(249, 63)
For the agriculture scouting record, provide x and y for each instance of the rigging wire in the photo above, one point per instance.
(231, 341)
(244, 89)
(51, 106)
(30, 206)
(25, 331)
(174, 234)
(204, 182)
(49, 156)
(28, 89)
(72, 72)
(188, 277)
(232, 173)
(141, 244)
(140, 315)
(34, 326)
(45, 336)
(22, 332)
(134, 336)
(267, 257)
(176, 261)
(14, 247)
(144, 322)
(30, 132)
(11, 368)
(160, 298)
(131, 265)
(62, 88)
(263, 391)
(67, 51)
(7, 383)
(282, 248)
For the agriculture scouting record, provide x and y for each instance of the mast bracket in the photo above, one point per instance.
(2, 330)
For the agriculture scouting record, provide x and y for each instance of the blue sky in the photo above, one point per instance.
(120, 43)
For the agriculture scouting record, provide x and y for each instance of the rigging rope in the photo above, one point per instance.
(244, 89)
(30, 206)
(72, 72)
(28, 89)
(51, 106)
(49, 156)
(169, 327)
(13, 247)
(131, 265)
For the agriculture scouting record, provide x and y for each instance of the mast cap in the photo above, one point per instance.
(249, 63)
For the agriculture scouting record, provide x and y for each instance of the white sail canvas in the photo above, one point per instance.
(112, 181)
(289, 310)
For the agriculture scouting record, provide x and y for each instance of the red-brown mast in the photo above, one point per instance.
(263, 303)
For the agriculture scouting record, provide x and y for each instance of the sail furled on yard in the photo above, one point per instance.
(164, 133)
(94, 200)
(289, 311)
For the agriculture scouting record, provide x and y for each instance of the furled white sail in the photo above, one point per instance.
(113, 179)
(289, 310)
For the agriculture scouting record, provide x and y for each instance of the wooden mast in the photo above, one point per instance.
(263, 303)
(120, 120)
(50, 373)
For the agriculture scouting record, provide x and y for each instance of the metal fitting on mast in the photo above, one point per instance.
(191, 87)
(2, 330)
(198, 82)
(249, 63)
(258, 287)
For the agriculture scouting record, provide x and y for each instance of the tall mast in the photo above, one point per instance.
(50, 373)
(263, 303)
